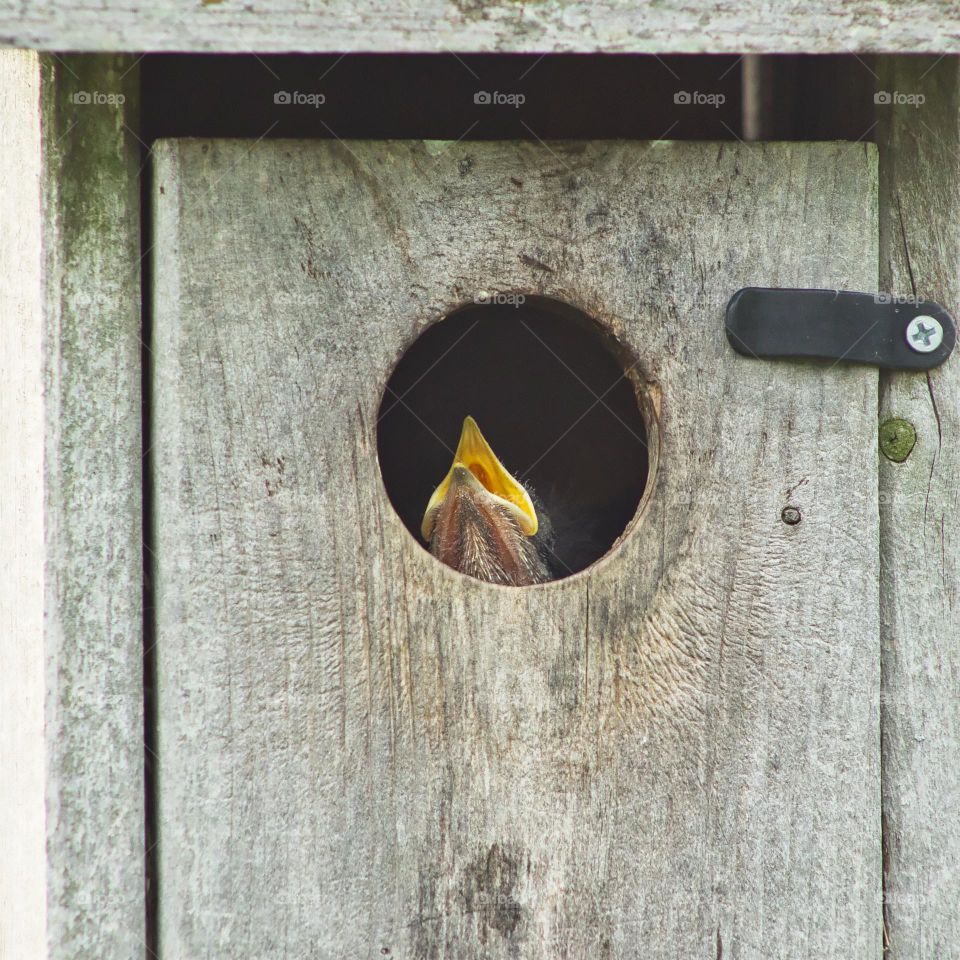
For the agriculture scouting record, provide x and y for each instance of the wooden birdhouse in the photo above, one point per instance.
(248, 712)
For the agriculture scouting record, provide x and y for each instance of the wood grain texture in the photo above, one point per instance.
(22, 752)
(71, 448)
(363, 754)
(545, 26)
(920, 523)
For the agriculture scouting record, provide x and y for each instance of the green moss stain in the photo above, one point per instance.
(897, 439)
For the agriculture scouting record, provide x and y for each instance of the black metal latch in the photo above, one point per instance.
(892, 333)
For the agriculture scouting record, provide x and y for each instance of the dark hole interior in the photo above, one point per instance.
(550, 392)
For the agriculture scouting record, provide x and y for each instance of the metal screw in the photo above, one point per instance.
(790, 515)
(924, 334)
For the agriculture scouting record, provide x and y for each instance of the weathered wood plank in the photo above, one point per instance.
(70, 603)
(22, 837)
(675, 753)
(920, 522)
(548, 26)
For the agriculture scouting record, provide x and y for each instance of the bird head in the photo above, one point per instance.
(481, 520)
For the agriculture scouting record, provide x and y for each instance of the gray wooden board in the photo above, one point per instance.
(545, 26)
(93, 522)
(674, 753)
(920, 524)
(72, 693)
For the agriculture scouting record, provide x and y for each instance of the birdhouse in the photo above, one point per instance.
(536, 541)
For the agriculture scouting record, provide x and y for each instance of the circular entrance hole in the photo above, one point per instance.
(557, 400)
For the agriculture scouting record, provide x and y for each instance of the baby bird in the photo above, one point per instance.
(481, 521)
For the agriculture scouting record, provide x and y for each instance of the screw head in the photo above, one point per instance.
(790, 516)
(924, 334)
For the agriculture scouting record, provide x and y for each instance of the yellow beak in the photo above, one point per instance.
(474, 453)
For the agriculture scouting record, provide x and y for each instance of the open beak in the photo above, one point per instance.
(476, 465)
